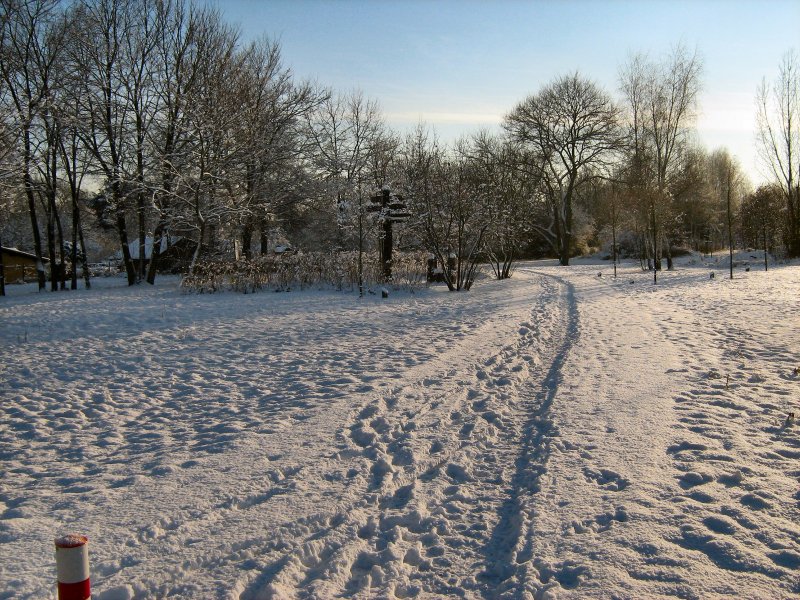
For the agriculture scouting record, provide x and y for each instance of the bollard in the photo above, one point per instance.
(72, 567)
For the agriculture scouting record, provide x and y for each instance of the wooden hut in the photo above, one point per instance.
(19, 266)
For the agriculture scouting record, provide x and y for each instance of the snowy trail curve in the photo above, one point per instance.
(451, 466)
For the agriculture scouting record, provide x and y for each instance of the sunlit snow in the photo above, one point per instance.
(559, 434)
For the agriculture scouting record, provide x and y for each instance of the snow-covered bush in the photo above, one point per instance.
(303, 270)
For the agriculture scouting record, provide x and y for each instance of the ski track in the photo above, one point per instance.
(452, 470)
(577, 436)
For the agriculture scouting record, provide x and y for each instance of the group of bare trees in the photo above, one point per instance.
(155, 115)
(779, 136)
(161, 110)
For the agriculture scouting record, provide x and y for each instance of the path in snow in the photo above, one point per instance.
(673, 473)
(452, 463)
(559, 434)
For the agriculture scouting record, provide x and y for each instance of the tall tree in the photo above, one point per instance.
(106, 27)
(27, 55)
(184, 35)
(778, 122)
(271, 132)
(448, 204)
(347, 131)
(7, 176)
(728, 183)
(661, 98)
(208, 188)
(499, 165)
(74, 156)
(571, 128)
(137, 74)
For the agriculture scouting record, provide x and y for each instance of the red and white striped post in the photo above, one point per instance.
(72, 566)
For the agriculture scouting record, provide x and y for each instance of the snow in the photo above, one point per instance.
(558, 434)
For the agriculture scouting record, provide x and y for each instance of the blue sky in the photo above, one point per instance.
(460, 66)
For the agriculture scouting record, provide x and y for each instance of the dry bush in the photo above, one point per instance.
(337, 270)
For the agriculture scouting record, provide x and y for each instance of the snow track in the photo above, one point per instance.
(559, 435)
(450, 467)
(673, 472)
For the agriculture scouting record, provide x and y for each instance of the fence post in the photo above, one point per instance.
(72, 567)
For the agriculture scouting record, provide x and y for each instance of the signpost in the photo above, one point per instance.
(391, 209)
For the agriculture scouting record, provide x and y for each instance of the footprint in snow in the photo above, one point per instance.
(693, 479)
(720, 525)
(457, 473)
(607, 479)
(754, 502)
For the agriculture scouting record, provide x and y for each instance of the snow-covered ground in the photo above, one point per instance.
(559, 435)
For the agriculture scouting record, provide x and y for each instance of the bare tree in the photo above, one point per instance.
(207, 187)
(106, 26)
(7, 175)
(778, 121)
(696, 207)
(184, 33)
(607, 208)
(272, 133)
(661, 98)
(137, 61)
(75, 159)
(26, 68)
(508, 186)
(728, 183)
(346, 130)
(571, 127)
(760, 217)
(448, 203)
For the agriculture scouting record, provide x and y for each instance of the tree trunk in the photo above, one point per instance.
(142, 258)
(792, 195)
(730, 224)
(2, 272)
(566, 234)
(199, 248)
(29, 193)
(85, 261)
(50, 205)
(140, 199)
(155, 253)
(62, 263)
(247, 239)
(614, 243)
(360, 244)
(73, 251)
(656, 260)
(559, 247)
(122, 231)
(263, 234)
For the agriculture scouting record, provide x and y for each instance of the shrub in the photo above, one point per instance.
(338, 270)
